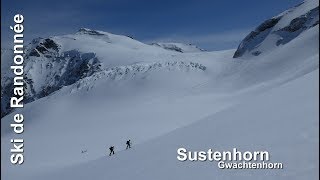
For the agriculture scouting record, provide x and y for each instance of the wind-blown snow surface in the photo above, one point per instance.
(282, 121)
(163, 100)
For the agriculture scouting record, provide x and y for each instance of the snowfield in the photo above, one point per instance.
(281, 121)
(93, 89)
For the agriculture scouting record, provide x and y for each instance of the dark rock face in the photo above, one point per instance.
(252, 41)
(58, 68)
(174, 47)
(131, 37)
(34, 52)
(298, 25)
(89, 32)
(46, 47)
(78, 66)
(6, 93)
(268, 24)
(50, 44)
(171, 47)
(256, 37)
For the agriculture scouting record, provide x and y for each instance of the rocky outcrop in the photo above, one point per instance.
(89, 32)
(273, 33)
(298, 25)
(256, 37)
(178, 47)
(48, 70)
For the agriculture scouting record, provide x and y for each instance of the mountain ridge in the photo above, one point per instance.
(279, 30)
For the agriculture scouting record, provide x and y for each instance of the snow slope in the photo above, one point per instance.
(282, 121)
(112, 88)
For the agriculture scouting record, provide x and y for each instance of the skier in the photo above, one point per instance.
(111, 150)
(128, 144)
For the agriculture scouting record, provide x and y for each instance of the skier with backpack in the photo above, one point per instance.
(128, 143)
(111, 150)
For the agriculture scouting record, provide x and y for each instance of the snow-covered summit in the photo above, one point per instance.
(280, 30)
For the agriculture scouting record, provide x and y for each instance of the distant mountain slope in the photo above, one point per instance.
(280, 29)
(179, 47)
(54, 62)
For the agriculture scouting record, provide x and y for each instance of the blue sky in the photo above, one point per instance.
(210, 24)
